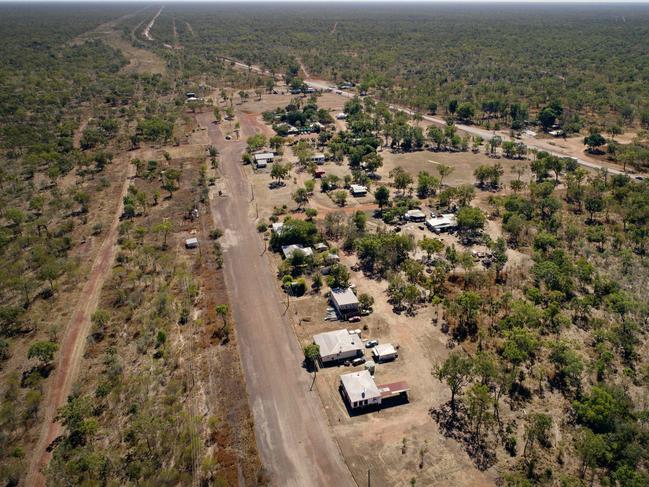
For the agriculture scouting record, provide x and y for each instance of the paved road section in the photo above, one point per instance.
(293, 436)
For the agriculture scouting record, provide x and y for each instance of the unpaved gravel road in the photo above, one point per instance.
(293, 436)
(73, 344)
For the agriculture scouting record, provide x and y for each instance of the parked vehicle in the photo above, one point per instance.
(354, 319)
(358, 361)
(371, 343)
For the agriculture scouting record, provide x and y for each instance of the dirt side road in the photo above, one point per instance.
(293, 437)
(72, 346)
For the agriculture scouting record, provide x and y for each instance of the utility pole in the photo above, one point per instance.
(369, 476)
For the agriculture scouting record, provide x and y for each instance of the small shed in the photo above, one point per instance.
(332, 258)
(415, 215)
(318, 158)
(191, 243)
(384, 352)
(358, 190)
(264, 158)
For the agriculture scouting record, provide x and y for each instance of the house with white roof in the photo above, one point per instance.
(289, 250)
(338, 345)
(358, 190)
(415, 215)
(318, 158)
(360, 390)
(263, 159)
(345, 302)
(443, 223)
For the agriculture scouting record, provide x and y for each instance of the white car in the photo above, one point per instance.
(371, 343)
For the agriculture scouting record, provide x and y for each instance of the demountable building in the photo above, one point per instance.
(263, 159)
(415, 215)
(358, 190)
(384, 352)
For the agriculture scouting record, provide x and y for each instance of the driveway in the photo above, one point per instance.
(293, 436)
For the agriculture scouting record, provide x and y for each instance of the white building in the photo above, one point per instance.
(289, 250)
(338, 345)
(191, 243)
(318, 158)
(443, 223)
(360, 389)
(358, 190)
(415, 216)
(345, 302)
(384, 352)
(263, 159)
(277, 227)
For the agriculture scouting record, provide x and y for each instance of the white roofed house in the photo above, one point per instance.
(345, 302)
(338, 345)
(360, 390)
(289, 250)
(263, 159)
(415, 215)
(443, 223)
(318, 158)
(358, 190)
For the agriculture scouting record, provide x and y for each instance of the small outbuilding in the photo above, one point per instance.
(332, 258)
(384, 352)
(264, 158)
(338, 345)
(360, 390)
(358, 190)
(415, 216)
(318, 158)
(277, 227)
(191, 243)
(345, 302)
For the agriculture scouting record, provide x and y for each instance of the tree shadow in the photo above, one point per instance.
(455, 425)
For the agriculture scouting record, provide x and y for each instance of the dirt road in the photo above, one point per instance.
(147, 30)
(293, 437)
(531, 142)
(72, 346)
